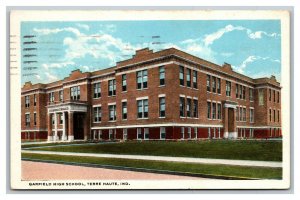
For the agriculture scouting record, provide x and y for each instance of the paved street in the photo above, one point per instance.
(49, 171)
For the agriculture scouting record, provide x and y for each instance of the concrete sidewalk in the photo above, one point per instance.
(169, 159)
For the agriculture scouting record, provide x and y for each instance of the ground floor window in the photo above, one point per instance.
(182, 132)
(146, 133)
(111, 134)
(125, 134)
(139, 133)
(189, 132)
(196, 132)
(162, 133)
(100, 134)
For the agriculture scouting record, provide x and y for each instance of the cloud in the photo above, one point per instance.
(38, 77)
(50, 77)
(250, 59)
(47, 31)
(83, 26)
(57, 65)
(108, 28)
(259, 34)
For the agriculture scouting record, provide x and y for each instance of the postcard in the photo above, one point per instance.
(150, 99)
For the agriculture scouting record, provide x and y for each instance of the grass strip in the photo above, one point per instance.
(219, 149)
(208, 169)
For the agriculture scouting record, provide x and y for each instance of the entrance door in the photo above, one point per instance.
(78, 126)
(230, 120)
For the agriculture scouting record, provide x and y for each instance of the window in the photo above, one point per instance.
(139, 133)
(142, 79)
(219, 111)
(195, 79)
(251, 115)
(142, 107)
(237, 114)
(236, 91)
(189, 132)
(274, 116)
(51, 97)
(111, 134)
(228, 88)
(162, 133)
(188, 107)
(188, 77)
(97, 90)
(270, 115)
(274, 96)
(61, 95)
(53, 119)
(124, 82)
(208, 83)
(261, 97)
(181, 75)
(195, 108)
(182, 105)
(208, 110)
(75, 93)
(196, 132)
(27, 119)
(241, 114)
(125, 134)
(214, 84)
(278, 115)
(124, 110)
(250, 94)
(214, 108)
(241, 92)
(34, 100)
(278, 97)
(270, 96)
(27, 101)
(182, 132)
(112, 87)
(162, 75)
(34, 119)
(244, 114)
(112, 112)
(61, 119)
(146, 133)
(219, 85)
(244, 92)
(97, 114)
(162, 107)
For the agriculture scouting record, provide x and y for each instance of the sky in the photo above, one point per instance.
(51, 50)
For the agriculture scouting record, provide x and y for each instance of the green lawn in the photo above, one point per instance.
(222, 149)
(191, 168)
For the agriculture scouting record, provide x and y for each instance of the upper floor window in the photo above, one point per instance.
(241, 114)
(34, 119)
(228, 88)
(274, 96)
(195, 108)
(261, 97)
(112, 87)
(142, 107)
(195, 85)
(278, 97)
(124, 82)
(270, 94)
(142, 79)
(244, 114)
(219, 111)
(181, 75)
(274, 116)
(75, 93)
(237, 91)
(34, 100)
(188, 77)
(162, 75)
(270, 115)
(61, 95)
(209, 110)
(97, 90)
(124, 110)
(214, 84)
(241, 92)
(188, 107)
(244, 92)
(27, 101)
(61, 119)
(182, 105)
(251, 115)
(162, 106)
(97, 114)
(208, 83)
(27, 119)
(51, 97)
(214, 110)
(278, 115)
(112, 112)
(219, 85)
(237, 114)
(250, 94)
